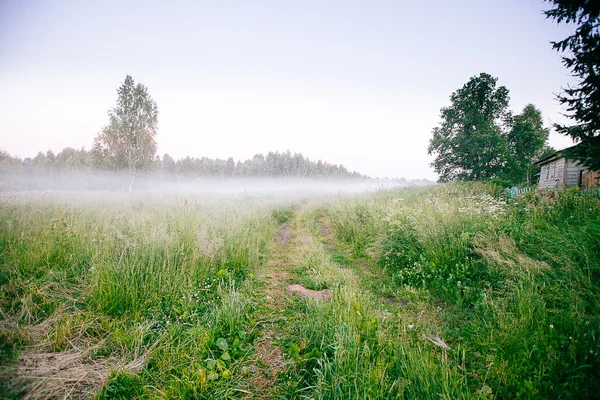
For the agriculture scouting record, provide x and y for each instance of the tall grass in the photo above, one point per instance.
(517, 282)
(128, 275)
(451, 292)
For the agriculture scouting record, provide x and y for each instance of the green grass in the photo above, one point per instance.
(123, 278)
(516, 284)
(162, 291)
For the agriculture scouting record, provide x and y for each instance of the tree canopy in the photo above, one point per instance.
(479, 138)
(527, 142)
(468, 143)
(128, 141)
(274, 164)
(582, 58)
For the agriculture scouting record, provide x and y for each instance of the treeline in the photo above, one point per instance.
(274, 164)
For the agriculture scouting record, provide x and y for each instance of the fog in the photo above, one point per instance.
(106, 185)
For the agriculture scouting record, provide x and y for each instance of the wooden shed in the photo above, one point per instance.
(558, 171)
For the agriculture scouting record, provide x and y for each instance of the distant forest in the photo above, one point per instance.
(127, 144)
(274, 164)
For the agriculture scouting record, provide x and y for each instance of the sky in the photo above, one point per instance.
(359, 83)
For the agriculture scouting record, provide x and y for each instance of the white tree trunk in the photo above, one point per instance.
(132, 179)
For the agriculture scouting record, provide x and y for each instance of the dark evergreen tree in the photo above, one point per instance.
(582, 58)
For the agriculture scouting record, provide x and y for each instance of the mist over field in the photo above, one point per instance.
(209, 200)
(257, 186)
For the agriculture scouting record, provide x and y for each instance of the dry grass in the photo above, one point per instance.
(66, 374)
(271, 363)
(502, 252)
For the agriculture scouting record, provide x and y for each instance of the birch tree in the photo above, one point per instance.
(128, 142)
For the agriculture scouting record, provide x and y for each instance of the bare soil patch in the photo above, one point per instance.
(313, 294)
(272, 361)
(284, 235)
(393, 300)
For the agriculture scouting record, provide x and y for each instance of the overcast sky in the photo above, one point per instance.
(354, 82)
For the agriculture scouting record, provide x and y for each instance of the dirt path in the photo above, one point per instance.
(277, 285)
(278, 281)
(273, 280)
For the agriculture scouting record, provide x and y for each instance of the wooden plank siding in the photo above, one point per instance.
(556, 172)
(552, 174)
(562, 173)
(573, 174)
(591, 180)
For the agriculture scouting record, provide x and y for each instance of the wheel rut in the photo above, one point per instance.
(272, 280)
(276, 284)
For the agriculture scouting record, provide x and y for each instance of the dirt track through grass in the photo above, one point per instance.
(272, 280)
(281, 285)
(329, 345)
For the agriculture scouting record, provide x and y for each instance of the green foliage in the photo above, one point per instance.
(527, 143)
(128, 141)
(469, 142)
(442, 262)
(401, 247)
(282, 214)
(582, 59)
(356, 227)
(516, 283)
(76, 163)
(129, 278)
(10, 342)
(122, 385)
(446, 292)
(479, 139)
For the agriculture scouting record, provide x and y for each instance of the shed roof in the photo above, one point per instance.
(552, 157)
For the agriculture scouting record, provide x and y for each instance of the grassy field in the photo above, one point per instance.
(450, 292)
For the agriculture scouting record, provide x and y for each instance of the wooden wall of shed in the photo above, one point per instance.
(573, 173)
(591, 179)
(552, 174)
